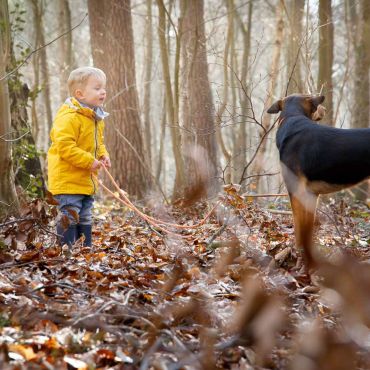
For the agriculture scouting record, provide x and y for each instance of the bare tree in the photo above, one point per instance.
(362, 66)
(172, 97)
(8, 197)
(294, 73)
(199, 145)
(361, 114)
(225, 90)
(148, 78)
(240, 145)
(65, 46)
(44, 122)
(113, 51)
(274, 66)
(326, 56)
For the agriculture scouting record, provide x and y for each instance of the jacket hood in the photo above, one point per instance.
(97, 113)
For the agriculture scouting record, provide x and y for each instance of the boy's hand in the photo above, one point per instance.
(96, 165)
(106, 161)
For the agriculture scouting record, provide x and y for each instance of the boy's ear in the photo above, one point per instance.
(78, 94)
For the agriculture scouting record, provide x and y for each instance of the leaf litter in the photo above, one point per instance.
(232, 296)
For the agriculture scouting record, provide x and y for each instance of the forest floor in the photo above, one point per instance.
(229, 296)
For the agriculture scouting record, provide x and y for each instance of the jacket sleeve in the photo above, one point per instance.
(66, 131)
(102, 150)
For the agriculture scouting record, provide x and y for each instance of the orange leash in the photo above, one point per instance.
(151, 220)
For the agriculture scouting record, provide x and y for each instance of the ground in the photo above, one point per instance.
(226, 294)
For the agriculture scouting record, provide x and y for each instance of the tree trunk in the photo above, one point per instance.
(199, 147)
(326, 56)
(148, 78)
(8, 197)
(294, 74)
(26, 160)
(266, 120)
(362, 66)
(66, 53)
(113, 51)
(240, 148)
(225, 91)
(171, 100)
(40, 60)
(361, 114)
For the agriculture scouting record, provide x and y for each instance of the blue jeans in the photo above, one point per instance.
(80, 203)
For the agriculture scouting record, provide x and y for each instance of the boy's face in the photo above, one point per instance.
(93, 93)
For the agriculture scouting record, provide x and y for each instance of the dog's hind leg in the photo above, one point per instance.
(303, 202)
(304, 207)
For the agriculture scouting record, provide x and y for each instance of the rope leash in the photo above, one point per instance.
(151, 220)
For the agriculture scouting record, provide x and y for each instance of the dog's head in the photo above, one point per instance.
(308, 105)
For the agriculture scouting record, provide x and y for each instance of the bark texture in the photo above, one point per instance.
(8, 197)
(326, 57)
(113, 51)
(199, 144)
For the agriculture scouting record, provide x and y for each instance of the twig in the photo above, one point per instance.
(264, 195)
(276, 211)
(13, 140)
(8, 265)
(40, 48)
(219, 231)
(145, 363)
(99, 310)
(16, 221)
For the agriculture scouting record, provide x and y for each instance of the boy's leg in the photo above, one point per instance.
(84, 227)
(67, 203)
(67, 236)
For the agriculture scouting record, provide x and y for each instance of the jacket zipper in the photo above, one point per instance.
(95, 150)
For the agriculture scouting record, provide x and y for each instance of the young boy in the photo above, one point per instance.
(77, 152)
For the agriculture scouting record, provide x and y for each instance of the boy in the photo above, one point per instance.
(77, 152)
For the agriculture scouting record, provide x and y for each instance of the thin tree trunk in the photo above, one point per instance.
(362, 66)
(198, 111)
(65, 46)
(161, 141)
(8, 198)
(233, 70)
(294, 74)
(326, 57)
(361, 116)
(240, 148)
(112, 35)
(266, 120)
(42, 72)
(171, 101)
(148, 78)
(225, 91)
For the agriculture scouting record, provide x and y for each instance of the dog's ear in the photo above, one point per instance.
(275, 108)
(317, 100)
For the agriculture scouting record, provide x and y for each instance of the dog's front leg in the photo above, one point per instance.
(304, 207)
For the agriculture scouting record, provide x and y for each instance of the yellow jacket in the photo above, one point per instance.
(77, 140)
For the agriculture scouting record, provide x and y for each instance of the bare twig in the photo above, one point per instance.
(40, 48)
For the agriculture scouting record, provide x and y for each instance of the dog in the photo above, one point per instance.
(316, 159)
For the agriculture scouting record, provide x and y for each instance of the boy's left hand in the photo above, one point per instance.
(106, 161)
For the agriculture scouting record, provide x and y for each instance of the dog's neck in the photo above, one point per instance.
(285, 115)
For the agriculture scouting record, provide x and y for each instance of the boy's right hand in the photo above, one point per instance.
(96, 165)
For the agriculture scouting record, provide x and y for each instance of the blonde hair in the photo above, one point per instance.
(78, 77)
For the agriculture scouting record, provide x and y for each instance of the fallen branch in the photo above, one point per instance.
(264, 195)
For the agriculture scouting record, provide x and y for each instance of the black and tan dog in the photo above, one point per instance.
(316, 159)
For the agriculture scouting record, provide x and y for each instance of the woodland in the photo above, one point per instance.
(194, 263)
